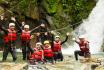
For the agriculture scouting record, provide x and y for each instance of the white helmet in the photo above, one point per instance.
(26, 26)
(57, 36)
(11, 24)
(42, 25)
(82, 36)
(38, 43)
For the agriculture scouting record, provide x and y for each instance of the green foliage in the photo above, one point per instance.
(62, 12)
(78, 9)
(72, 11)
(23, 5)
(51, 6)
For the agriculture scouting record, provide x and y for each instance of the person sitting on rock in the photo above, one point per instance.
(48, 53)
(84, 48)
(37, 56)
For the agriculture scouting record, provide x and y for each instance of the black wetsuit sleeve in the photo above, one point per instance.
(5, 30)
(76, 41)
(19, 31)
(64, 40)
(52, 43)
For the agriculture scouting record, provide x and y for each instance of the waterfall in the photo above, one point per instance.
(92, 28)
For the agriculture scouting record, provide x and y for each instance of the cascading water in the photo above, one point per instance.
(92, 28)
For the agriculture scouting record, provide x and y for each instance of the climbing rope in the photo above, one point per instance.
(60, 29)
(39, 25)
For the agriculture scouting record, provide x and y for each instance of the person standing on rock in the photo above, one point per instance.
(57, 47)
(9, 40)
(2, 33)
(41, 33)
(25, 41)
(84, 47)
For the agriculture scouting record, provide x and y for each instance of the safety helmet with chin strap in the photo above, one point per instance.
(26, 26)
(11, 24)
(46, 42)
(39, 43)
(81, 36)
(57, 36)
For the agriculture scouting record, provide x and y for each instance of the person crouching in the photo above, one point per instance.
(37, 56)
(84, 48)
(48, 54)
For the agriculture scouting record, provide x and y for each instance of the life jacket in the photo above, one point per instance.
(48, 52)
(84, 46)
(37, 55)
(25, 35)
(11, 35)
(57, 46)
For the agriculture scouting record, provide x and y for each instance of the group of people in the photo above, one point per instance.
(48, 52)
(48, 46)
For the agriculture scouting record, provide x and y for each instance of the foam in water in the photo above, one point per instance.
(93, 29)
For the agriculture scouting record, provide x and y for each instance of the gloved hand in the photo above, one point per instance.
(13, 18)
(38, 34)
(52, 32)
(46, 33)
(23, 23)
(32, 36)
(73, 39)
(67, 33)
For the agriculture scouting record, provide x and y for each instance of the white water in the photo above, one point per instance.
(93, 29)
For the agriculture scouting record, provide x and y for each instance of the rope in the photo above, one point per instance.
(39, 25)
(34, 28)
(56, 29)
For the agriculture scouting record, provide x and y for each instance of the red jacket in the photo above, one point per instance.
(57, 46)
(48, 52)
(84, 46)
(37, 55)
(25, 35)
(11, 36)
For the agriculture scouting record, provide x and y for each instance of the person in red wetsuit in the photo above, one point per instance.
(9, 40)
(57, 47)
(84, 48)
(37, 56)
(48, 53)
(25, 41)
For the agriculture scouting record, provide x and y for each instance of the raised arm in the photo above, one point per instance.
(65, 39)
(74, 39)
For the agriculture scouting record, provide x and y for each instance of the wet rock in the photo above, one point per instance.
(100, 68)
(12, 66)
(93, 67)
(36, 67)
